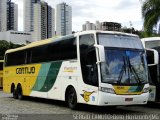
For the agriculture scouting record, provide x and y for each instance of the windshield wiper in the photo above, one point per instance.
(123, 69)
(132, 70)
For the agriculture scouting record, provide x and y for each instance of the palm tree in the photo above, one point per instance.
(151, 15)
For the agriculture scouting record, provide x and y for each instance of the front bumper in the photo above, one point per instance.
(106, 99)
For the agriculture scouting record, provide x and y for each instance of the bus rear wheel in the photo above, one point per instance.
(19, 93)
(72, 98)
(14, 94)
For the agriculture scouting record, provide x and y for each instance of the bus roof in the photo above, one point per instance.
(33, 44)
(57, 38)
(151, 39)
(108, 32)
(40, 42)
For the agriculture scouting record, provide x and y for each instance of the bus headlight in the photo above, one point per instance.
(107, 90)
(145, 90)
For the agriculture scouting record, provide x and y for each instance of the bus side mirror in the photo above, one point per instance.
(101, 52)
(152, 57)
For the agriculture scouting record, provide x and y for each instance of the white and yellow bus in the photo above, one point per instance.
(1, 73)
(93, 67)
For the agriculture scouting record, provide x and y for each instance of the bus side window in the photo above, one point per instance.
(92, 67)
(39, 54)
(15, 58)
(6, 62)
(62, 50)
(28, 56)
(88, 59)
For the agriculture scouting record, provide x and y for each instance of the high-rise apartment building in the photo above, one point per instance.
(29, 14)
(63, 19)
(44, 21)
(8, 15)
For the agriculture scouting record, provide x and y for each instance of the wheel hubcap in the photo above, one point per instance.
(71, 98)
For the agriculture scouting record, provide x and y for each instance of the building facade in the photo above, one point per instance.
(63, 19)
(16, 37)
(111, 26)
(44, 21)
(88, 26)
(28, 13)
(106, 26)
(8, 15)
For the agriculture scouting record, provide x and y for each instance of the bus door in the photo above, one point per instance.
(88, 87)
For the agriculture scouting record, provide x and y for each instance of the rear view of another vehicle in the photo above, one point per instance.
(152, 46)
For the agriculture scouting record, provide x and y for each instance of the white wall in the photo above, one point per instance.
(16, 37)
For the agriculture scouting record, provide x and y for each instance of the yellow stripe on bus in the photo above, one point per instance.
(26, 75)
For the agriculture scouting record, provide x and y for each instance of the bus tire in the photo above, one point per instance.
(14, 94)
(72, 98)
(19, 93)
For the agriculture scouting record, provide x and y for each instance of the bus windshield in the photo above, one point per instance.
(125, 61)
(124, 67)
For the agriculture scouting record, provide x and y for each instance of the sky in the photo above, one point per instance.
(126, 12)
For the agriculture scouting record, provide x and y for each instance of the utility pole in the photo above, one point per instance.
(131, 26)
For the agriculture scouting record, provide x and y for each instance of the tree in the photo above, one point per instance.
(151, 15)
(4, 45)
(133, 31)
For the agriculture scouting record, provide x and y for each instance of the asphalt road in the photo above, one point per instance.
(42, 109)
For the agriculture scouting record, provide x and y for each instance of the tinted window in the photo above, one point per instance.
(86, 42)
(68, 50)
(62, 50)
(39, 54)
(54, 50)
(153, 75)
(28, 56)
(88, 60)
(16, 58)
(150, 57)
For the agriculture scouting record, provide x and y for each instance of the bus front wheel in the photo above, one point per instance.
(72, 98)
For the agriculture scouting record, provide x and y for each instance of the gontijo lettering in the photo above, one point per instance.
(70, 69)
(25, 70)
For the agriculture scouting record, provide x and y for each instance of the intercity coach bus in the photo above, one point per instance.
(1, 73)
(92, 67)
(152, 45)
